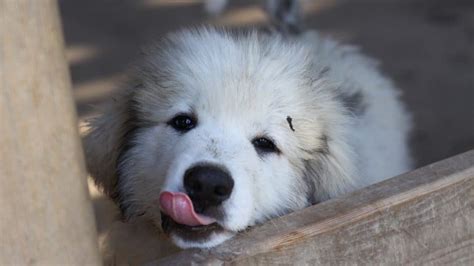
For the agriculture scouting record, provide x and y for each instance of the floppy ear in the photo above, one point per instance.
(332, 171)
(104, 140)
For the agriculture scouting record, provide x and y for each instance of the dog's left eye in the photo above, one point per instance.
(264, 145)
(183, 123)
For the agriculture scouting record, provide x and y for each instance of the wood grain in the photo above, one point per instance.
(45, 212)
(422, 217)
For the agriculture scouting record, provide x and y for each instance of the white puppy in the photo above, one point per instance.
(220, 130)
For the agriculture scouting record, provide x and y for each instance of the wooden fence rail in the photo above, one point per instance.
(422, 217)
(45, 212)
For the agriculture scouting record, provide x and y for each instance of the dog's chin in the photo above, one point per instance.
(202, 236)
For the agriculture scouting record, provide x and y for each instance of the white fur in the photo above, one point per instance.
(239, 88)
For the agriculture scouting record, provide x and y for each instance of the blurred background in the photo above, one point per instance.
(425, 46)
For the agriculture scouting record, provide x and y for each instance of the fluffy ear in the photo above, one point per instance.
(104, 141)
(332, 172)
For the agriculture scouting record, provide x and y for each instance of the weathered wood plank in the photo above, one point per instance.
(45, 212)
(422, 217)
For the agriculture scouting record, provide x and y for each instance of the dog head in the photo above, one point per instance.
(218, 132)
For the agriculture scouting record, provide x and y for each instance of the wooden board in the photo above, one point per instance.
(422, 217)
(45, 212)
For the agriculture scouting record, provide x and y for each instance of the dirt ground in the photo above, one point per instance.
(426, 46)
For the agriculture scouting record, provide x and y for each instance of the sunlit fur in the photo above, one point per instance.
(350, 129)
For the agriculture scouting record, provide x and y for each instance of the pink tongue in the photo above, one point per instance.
(179, 207)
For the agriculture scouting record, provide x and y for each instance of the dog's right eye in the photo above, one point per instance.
(183, 123)
(264, 145)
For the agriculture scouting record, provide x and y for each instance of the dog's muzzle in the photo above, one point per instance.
(206, 186)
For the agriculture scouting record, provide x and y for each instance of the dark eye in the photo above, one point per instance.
(264, 145)
(183, 123)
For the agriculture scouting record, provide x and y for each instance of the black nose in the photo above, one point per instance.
(207, 185)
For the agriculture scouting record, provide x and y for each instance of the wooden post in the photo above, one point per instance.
(45, 212)
(425, 217)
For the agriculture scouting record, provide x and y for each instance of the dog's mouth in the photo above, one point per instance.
(179, 219)
(196, 233)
